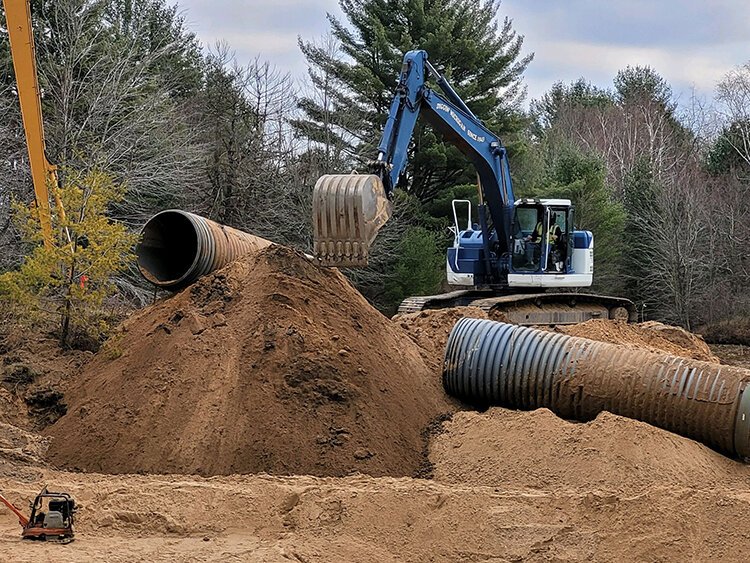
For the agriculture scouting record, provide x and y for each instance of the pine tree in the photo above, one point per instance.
(70, 279)
(581, 177)
(481, 57)
(116, 78)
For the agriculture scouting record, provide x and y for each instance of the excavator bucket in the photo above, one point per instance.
(348, 212)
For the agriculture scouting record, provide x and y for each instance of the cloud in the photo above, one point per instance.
(267, 44)
(259, 28)
(636, 22)
(700, 67)
(691, 43)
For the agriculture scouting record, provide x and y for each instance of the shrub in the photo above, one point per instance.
(69, 280)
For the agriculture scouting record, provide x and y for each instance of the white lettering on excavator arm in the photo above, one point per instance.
(457, 119)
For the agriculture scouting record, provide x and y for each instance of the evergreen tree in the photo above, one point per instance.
(641, 83)
(70, 279)
(725, 155)
(641, 202)
(420, 266)
(480, 57)
(580, 94)
(581, 177)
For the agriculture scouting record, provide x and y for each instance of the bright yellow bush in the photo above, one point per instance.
(69, 281)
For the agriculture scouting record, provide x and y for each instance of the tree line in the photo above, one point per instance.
(128, 89)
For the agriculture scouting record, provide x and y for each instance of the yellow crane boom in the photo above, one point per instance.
(44, 174)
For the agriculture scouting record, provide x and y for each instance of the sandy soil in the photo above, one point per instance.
(652, 336)
(276, 366)
(430, 329)
(536, 511)
(270, 365)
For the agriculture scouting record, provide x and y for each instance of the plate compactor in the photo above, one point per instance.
(51, 517)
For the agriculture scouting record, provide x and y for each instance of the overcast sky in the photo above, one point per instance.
(690, 42)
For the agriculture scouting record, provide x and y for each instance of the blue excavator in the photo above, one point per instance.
(514, 259)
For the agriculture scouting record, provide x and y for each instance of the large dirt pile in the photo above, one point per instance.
(538, 450)
(430, 329)
(653, 336)
(270, 365)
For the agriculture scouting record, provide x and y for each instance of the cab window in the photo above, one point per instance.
(558, 241)
(527, 239)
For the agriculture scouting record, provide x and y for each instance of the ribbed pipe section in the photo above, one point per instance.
(491, 363)
(178, 247)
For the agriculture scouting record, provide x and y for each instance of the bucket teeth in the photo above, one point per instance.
(348, 212)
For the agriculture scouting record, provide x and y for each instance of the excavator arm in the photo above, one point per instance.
(348, 210)
(44, 174)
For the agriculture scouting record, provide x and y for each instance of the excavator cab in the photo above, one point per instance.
(546, 250)
(348, 212)
(541, 232)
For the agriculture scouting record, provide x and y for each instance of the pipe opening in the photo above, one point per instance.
(168, 247)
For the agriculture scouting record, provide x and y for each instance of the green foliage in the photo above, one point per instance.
(641, 203)
(723, 155)
(419, 268)
(579, 94)
(230, 133)
(153, 26)
(71, 278)
(580, 177)
(642, 91)
(441, 207)
(480, 56)
(643, 83)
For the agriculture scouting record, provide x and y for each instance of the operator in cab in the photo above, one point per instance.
(554, 239)
(533, 244)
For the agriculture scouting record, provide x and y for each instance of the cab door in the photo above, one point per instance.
(545, 239)
(570, 242)
(556, 253)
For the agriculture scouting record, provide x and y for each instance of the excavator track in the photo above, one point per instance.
(530, 308)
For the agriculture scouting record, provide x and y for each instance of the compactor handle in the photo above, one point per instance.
(21, 518)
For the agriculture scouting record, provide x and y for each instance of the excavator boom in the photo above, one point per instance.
(44, 174)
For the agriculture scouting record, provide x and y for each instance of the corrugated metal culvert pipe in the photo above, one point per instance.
(178, 247)
(491, 363)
